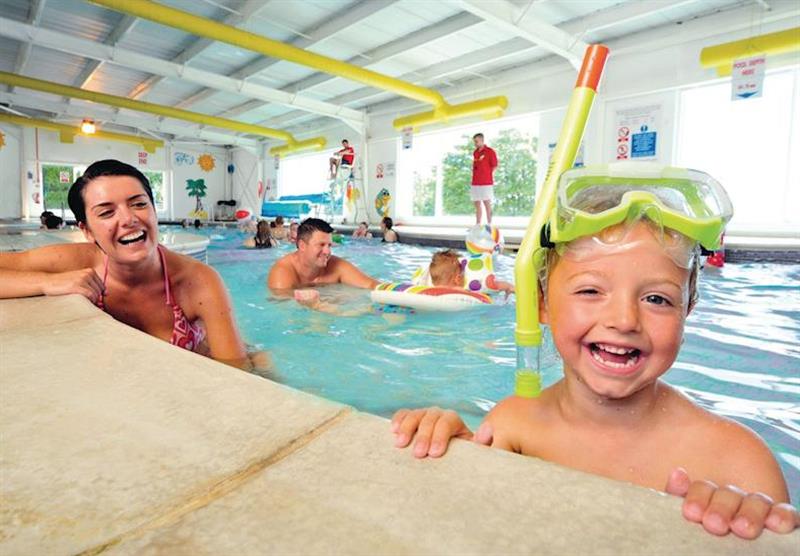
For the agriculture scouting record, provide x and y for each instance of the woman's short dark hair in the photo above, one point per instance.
(311, 225)
(388, 222)
(95, 170)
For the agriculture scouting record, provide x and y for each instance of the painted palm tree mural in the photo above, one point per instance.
(197, 189)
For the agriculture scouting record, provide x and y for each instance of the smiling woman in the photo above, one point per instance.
(123, 270)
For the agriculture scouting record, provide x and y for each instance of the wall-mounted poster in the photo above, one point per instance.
(636, 132)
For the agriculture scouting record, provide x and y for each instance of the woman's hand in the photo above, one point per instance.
(431, 428)
(729, 509)
(85, 282)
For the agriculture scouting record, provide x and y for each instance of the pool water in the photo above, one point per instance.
(740, 358)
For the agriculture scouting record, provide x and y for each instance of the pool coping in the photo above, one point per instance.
(259, 467)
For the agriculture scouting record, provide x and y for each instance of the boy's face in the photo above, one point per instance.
(617, 316)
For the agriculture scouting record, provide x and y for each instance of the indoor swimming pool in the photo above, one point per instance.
(740, 358)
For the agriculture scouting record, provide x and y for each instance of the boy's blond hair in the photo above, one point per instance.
(445, 266)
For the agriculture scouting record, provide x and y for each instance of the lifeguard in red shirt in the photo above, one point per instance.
(346, 155)
(484, 161)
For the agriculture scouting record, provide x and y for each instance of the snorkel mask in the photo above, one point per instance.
(592, 200)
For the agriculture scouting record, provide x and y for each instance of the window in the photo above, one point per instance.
(156, 180)
(58, 178)
(304, 175)
(439, 169)
(749, 146)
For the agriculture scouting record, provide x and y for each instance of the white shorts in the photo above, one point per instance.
(482, 193)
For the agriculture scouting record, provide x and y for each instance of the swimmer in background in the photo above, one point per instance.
(263, 238)
(362, 232)
(616, 303)
(279, 232)
(445, 270)
(312, 264)
(292, 237)
(389, 235)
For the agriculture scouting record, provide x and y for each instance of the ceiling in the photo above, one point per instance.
(436, 44)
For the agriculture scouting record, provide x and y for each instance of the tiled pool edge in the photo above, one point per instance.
(341, 489)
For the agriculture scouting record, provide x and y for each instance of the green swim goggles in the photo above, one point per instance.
(594, 198)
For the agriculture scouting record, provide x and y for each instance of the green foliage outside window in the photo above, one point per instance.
(425, 194)
(514, 178)
(55, 192)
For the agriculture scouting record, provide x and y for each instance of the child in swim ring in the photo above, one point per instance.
(446, 270)
(616, 304)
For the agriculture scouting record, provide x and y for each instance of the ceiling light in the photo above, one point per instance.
(88, 127)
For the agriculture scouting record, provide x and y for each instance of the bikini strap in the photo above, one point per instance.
(101, 300)
(166, 275)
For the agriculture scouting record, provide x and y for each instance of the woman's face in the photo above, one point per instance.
(120, 218)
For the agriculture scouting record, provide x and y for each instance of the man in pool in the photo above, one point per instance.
(312, 264)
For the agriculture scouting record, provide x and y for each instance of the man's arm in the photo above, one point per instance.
(350, 275)
(282, 279)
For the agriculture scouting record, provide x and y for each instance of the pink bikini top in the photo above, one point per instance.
(185, 334)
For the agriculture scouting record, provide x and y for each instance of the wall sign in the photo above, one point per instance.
(747, 78)
(408, 137)
(142, 158)
(379, 171)
(636, 132)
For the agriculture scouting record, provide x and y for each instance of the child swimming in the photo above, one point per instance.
(616, 301)
(446, 270)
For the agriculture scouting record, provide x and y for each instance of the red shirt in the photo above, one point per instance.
(484, 161)
(348, 154)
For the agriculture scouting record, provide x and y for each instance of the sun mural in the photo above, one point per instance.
(206, 162)
(2, 140)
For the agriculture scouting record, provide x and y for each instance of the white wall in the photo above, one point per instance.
(10, 172)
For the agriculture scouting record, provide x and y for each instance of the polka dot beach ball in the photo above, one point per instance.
(478, 272)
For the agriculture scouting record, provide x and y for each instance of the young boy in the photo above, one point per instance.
(616, 304)
(445, 270)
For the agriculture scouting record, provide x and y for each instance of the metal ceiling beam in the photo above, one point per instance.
(734, 20)
(107, 53)
(431, 73)
(147, 124)
(24, 52)
(117, 34)
(521, 22)
(346, 18)
(248, 10)
(620, 14)
(421, 37)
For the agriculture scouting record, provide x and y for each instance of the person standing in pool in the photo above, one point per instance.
(123, 270)
(312, 264)
(484, 162)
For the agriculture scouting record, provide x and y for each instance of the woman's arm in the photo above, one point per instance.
(50, 270)
(216, 312)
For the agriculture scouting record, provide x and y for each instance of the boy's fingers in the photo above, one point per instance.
(678, 482)
(397, 418)
(724, 504)
(484, 435)
(407, 428)
(783, 518)
(697, 499)
(749, 520)
(422, 441)
(443, 431)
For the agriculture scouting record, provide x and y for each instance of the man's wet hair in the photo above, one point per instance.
(309, 226)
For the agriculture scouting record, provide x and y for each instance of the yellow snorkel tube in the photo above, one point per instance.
(528, 334)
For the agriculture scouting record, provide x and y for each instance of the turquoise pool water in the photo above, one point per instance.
(741, 356)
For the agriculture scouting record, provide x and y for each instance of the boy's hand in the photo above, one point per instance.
(433, 427)
(725, 509)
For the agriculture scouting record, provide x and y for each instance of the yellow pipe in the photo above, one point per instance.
(221, 32)
(141, 106)
(781, 42)
(67, 133)
(316, 143)
(528, 333)
(491, 107)
(204, 27)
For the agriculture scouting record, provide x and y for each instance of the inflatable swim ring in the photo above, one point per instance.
(427, 298)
